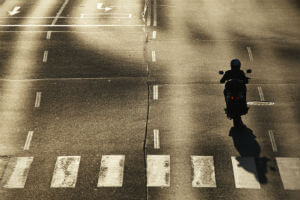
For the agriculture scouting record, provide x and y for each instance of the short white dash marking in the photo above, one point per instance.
(272, 139)
(154, 35)
(153, 56)
(155, 92)
(130, 15)
(16, 172)
(289, 169)
(158, 170)
(204, 171)
(245, 173)
(28, 140)
(111, 171)
(260, 103)
(38, 98)
(261, 94)
(48, 35)
(156, 138)
(65, 172)
(81, 15)
(155, 13)
(45, 57)
(250, 54)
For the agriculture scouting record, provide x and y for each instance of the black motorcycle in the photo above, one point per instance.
(235, 97)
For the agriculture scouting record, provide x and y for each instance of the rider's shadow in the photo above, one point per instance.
(247, 146)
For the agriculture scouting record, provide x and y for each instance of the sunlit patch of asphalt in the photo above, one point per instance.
(21, 62)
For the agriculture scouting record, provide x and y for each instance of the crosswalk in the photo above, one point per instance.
(14, 171)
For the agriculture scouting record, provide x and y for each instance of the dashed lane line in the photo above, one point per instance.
(156, 139)
(59, 12)
(272, 139)
(261, 94)
(28, 140)
(155, 92)
(71, 25)
(48, 37)
(38, 98)
(155, 13)
(153, 56)
(250, 54)
(45, 57)
(154, 35)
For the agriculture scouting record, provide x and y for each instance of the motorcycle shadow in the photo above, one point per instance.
(245, 143)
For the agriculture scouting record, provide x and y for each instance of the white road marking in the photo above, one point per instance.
(154, 35)
(28, 140)
(64, 79)
(38, 98)
(261, 94)
(130, 15)
(204, 171)
(155, 92)
(158, 170)
(16, 172)
(272, 139)
(70, 25)
(65, 172)
(156, 138)
(289, 169)
(244, 170)
(260, 103)
(45, 57)
(153, 56)
(59, 12)
(155, 13)
(14, 11)
(48, 37)
(111, 171)
(250, 54)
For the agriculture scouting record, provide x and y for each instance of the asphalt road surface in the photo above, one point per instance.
(121, 99)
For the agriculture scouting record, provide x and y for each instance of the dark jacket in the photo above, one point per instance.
(234, 74)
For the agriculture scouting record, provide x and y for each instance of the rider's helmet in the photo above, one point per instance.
(235, 64)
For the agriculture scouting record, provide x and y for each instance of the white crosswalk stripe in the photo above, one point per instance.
(289, 169)
(245, 173)
(65, 172)
(111, 171)
(203, 171)
(16, 171)
(158, 170)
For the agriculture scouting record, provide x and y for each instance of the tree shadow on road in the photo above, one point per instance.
(245, 142)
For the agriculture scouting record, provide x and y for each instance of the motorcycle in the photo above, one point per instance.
(235, 98)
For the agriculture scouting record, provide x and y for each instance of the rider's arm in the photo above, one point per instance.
(224, 78)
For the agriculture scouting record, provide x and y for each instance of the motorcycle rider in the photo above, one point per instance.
(239, 78)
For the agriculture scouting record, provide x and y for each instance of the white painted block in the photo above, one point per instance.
(111, 171)
(203, 171)
(158, 170)
(65, 172)
(16, 171)
(289, 169)
(245, 173)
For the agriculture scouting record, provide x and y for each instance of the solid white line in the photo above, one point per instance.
(260, 103)
(59, 12)
(45, 57)
(245, 173)
(65, 172)
(154, 13)
(204, 171)
(272, 139)
(154, 35)
(111, 171)
(70, 25)
(16, 172)
(38, 99)
(158, 170)
(155, 92)
(250, 54)
(48, 37)
(289, 169)
(153, 56)
(261, 94)
(67, 79)
(28, 140)
(156, 138)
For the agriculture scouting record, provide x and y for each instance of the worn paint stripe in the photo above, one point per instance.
(203, 171)
(156, 138)
(245, 173)
(261, 94)
(154, 35)
(48, 37)
(28, 140)
(154, 12)
(250, 54)
(38, 98)
(59, 12)
(111, 171)
(158, 170)
(289, 169)
(65, 172)
(272, 139)
(260, 103)
(45, 57)
(155, 92)
(153, 56)
(16, 172)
